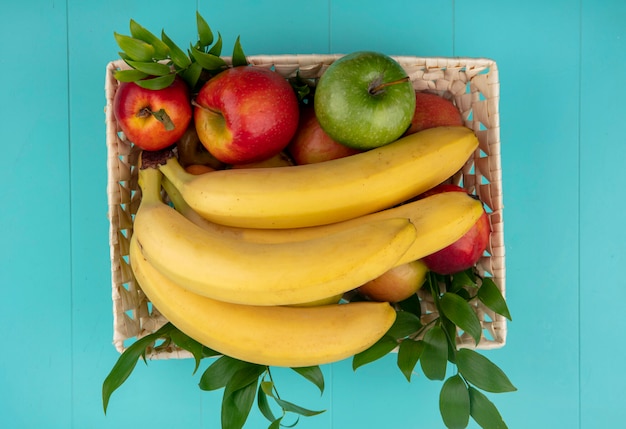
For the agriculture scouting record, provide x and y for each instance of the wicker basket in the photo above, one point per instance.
(472, 84)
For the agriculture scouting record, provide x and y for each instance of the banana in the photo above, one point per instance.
(275, 335)
(439, 220)
(328, 192)
(229, 269)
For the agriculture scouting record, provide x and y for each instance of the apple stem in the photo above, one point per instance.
(160, 116)
(206, 109)
(380, 87)
(164, 118)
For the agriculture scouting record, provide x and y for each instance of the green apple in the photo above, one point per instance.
(364, 100)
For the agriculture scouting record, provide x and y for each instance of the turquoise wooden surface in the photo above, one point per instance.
(562, 108)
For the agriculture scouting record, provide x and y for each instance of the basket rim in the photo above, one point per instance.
(296, 62)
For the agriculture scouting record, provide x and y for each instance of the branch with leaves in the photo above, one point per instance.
(434, 346)
(243, 382)
(155, 62)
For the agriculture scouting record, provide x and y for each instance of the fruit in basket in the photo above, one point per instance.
(439, 220)
(246, 114)
(467, 250)
(152, 119)
(365, 100)
(190, 151)
(311, 144)
(199, 169)
(226, 268)
(271, 335)
(397, 284)
(333, 191)
(432, 110)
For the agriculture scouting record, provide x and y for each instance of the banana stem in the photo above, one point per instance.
(175, 172)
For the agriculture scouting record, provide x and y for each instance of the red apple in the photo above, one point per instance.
(246, 114)
(396, 284)
(467, 250)
(311, 144)
(153, 119)
(432, 110)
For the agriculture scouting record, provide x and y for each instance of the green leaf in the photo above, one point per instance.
(490, 295)
(484, 412)
(463, 293)
(178, 56)
(239, 394)
(293, 408)
(460, 280)
(217, 48)
(287, 406)
(461, 314)
(123, 368)
(313, 374)
(185, 342)
(127, 361)
(482, 373)
(411, 305)
(454, 403)
(262, 401)
(161, 50)
(192, 74)
(150, 67)
(162, 116)
(205, 35)
(434, 357)
(275, 424)
(129, 75)
(247, 374)
(405, 324)
(207, 352)
(157, 83)
(239, 57)
(208, 62)
(409, 353)
(382, 347)
(124, 56)
(451, 335)
(219, 373)
(136, 49)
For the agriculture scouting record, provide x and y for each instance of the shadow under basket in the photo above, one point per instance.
(471, 83)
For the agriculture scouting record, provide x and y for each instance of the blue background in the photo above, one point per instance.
(562, 69)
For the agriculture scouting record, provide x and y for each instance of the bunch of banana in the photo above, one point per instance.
(267, 335)
(333, 191)
(230, 264)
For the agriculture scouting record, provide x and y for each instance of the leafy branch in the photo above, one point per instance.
(243, 382)
(155, 62)
(434, 346)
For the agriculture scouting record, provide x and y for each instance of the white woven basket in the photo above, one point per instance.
(472, 83)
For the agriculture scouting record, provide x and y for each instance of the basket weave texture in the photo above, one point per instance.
(472, 83)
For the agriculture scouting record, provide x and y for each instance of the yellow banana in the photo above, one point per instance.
(274, 335)
(439, 220)
(328, 192)
(229, 269)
